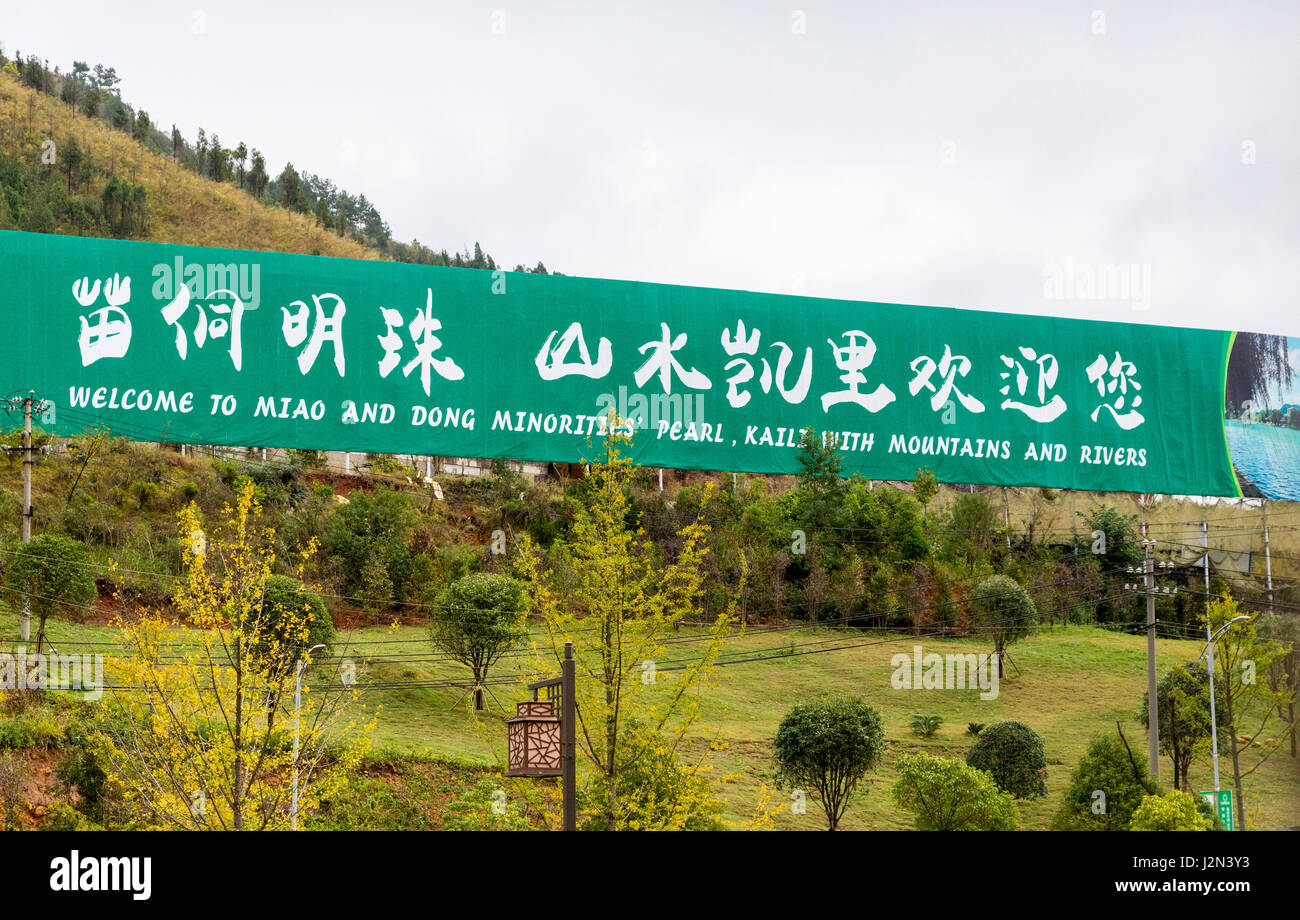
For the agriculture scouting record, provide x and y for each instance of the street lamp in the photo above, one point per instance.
(1209, 669)
(297, 714)
(542, 741)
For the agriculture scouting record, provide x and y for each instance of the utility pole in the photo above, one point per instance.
(26, 628)
(1209, 646)
(1268, 562)
(569, 736)
(1153, 714)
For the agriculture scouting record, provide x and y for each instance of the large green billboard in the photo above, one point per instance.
(188, 344)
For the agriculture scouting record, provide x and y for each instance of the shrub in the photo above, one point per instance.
(1012, 753)
(293, 620)
(826, 747)
(1108, 767)
(948, 795)
(925, 726)
(1173, 811)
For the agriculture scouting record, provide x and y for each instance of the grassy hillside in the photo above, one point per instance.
(182, 206)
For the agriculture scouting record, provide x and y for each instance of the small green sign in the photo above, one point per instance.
(1224, 804)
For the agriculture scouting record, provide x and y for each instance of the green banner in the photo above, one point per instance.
(187, 344)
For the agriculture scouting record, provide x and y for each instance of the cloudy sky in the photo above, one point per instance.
(987, 155)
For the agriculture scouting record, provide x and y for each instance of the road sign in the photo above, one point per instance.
(1224, 805)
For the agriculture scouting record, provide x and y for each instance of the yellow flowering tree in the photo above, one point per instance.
(201, 734)
(620, 603)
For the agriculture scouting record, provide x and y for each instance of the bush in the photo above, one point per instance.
(826, 747)
(1173, 811)
(1012, 753)
(948, 795)
(293, 620)
(925, 726)
(482, 809)
(1109, 768)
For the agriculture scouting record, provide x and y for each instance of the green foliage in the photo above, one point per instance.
(657, 791)
(367, 803)
(925, 486)
(925, 726)
(369, 545)
(1123, 545)
(970, 529)
(1173, 811)
(485, 807)
(826, 747)
(293, 620)
(948, 795)
(1108, 767)
(51, 574)
(974, 728)
(478, 618)
(1013, 755)
(1183, 711)
(1004, 610)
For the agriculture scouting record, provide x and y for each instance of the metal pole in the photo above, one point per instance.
(568, 729)
(1268, 562)
(297, 713)
(1209, 645)
(26, 627)
(1153, 714)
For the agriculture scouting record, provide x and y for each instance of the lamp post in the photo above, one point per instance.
(297, 719)
(541, 739)
(1209, 669)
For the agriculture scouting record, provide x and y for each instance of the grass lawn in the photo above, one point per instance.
(1067, 684)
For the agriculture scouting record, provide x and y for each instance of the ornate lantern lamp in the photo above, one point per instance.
(533, 740)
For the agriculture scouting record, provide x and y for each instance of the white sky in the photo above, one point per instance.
(713, 144)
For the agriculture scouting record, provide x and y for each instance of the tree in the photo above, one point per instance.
(1183, 704)
(477, 620)
(257, 177)
(1173, 811)
(1013, 755)
(826, 747)
(1003, 608)
(1245, 682)
(1105, 788)
(291, 194)
(619, 600)
(293, 620)
(948, 795)
(925, 486)
(821, 491)
(972, 529)
(51, 574)
(205, 741)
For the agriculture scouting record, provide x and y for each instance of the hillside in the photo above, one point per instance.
(181, 206)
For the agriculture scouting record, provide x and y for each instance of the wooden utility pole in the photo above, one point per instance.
(1153, 714)
(569, 735)
(26, 631)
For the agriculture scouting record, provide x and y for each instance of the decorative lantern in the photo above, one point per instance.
(533, 740)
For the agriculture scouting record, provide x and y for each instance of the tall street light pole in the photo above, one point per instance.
(297, 719)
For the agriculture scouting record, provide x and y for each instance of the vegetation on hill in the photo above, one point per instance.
(76, 158)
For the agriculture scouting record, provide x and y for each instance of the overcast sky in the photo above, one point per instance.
(981, 155)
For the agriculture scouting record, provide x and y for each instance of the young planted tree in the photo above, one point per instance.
(619, 601)
(478, 619)
(1251, 696)
(826, 747)
(1183, 698)
(1005, 611)
(1173, 811)
(948, 795)
(206, 740)
(49, 575)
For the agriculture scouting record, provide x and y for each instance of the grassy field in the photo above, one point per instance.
(1067, 684)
